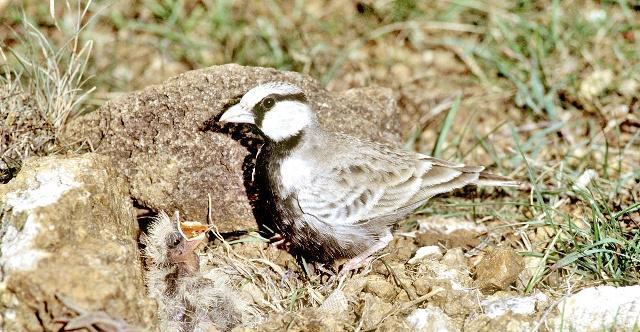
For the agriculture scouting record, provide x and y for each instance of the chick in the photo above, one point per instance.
(189, 299)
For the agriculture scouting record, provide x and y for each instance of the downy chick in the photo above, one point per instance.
(189, 299)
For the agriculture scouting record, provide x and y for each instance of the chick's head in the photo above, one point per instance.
(166, 244)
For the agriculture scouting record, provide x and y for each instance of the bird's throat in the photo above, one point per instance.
(285, 146)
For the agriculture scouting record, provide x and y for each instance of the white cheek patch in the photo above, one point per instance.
(285, 119)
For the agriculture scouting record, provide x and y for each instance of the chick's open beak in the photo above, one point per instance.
(190, 245)
(237, 114)
(185, 250)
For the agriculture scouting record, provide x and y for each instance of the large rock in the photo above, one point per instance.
(68, 235)
(166, 140)
(600, 308)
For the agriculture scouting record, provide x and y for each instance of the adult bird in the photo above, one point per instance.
(332, 195)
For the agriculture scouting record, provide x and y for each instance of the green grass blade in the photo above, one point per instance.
(446, 125)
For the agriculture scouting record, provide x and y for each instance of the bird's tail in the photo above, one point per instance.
(488, 179)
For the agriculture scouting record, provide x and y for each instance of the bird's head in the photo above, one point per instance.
(280, 110)
(167, 245)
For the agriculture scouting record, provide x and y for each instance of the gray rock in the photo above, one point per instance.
(599, 308)
(68, 235)
(166, 141)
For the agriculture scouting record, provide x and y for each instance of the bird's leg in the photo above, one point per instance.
(365, 257)
(280, 242)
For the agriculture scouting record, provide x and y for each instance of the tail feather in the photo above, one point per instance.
(488, 179)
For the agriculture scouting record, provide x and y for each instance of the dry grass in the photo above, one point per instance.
(43, 86)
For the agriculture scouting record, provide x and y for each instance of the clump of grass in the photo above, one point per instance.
(541, 53)
(584, 217)
(54, 73)
(43, 87)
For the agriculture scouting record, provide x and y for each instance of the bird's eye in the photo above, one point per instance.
(268, 103)
(173, 241)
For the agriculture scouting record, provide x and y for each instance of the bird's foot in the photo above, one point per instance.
(280, 242)
(354, 264)
(366, 257)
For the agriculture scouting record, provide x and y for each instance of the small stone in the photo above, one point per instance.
(596, 83)
(355, 285)
(374, 311)
(506, 323)
(428, 252)
(454, 258)
(381, 287)
(584, 179)
(457, 296)
(498, 269)
(394, 324)
(531, 267)
(451, 232)
(596, 15)
(427, 57)
(430, 318)
(422, 286)
(403, 296)
(402, 248)
(499, 305)
(335, 304)
(629, 87)
(401, 70)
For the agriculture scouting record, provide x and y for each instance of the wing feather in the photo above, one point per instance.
(379, 185)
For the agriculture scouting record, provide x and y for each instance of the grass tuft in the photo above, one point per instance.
(43, 87)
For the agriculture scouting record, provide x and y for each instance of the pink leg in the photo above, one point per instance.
(279, 242)
(365, 257)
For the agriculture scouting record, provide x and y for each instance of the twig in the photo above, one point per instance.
(406, 306)
(410, 292)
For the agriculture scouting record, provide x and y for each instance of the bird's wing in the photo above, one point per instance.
(379, 185)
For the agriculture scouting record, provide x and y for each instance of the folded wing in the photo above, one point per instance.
(380, 187)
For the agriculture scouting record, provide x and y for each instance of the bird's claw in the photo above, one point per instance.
(280, 242)
(354, 264)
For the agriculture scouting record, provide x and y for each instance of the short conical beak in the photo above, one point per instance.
(185, 252)
(237, 114)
